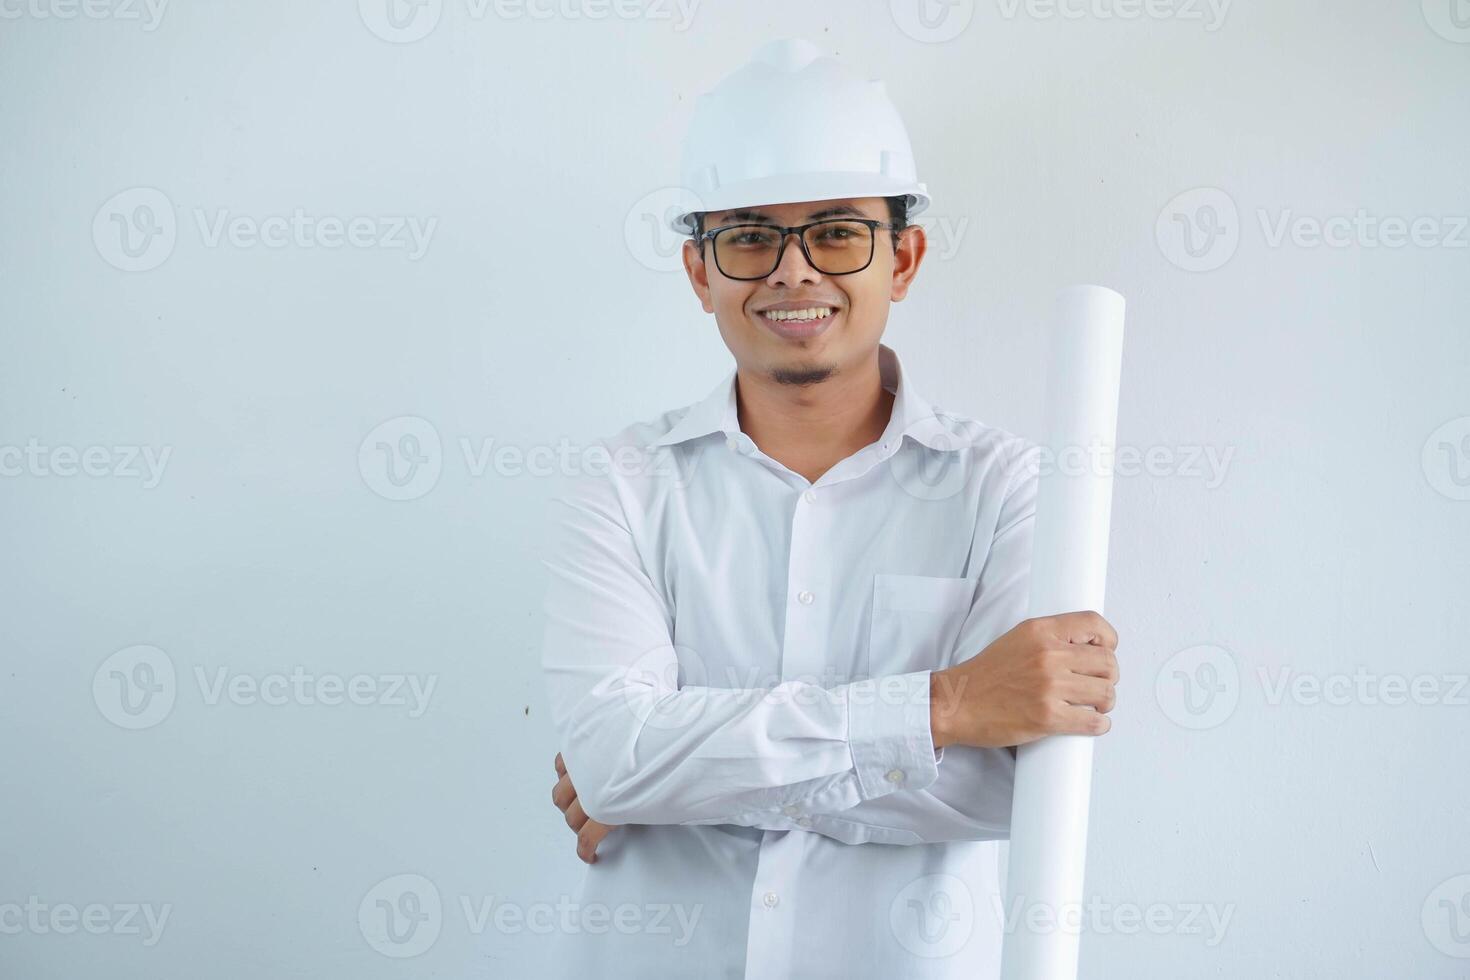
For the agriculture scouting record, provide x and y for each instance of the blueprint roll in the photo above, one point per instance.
(1069, 563)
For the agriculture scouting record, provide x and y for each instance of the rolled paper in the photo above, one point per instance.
(1069, 563)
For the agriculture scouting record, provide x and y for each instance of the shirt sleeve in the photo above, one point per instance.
(643, 745)
(970, 799)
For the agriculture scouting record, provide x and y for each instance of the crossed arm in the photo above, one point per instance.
(912, 758)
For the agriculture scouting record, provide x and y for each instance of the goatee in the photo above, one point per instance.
(802, 375)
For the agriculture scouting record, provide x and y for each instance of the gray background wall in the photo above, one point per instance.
(1287, 758)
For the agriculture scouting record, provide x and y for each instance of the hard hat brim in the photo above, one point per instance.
(793, 188)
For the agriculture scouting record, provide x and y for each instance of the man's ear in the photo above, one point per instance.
(912, 244)
(698, 274)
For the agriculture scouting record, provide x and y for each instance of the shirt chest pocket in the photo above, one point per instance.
(916, 622)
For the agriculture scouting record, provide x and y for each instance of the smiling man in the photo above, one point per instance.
(786, 657)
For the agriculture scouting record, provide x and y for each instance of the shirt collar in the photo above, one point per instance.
(912, 414)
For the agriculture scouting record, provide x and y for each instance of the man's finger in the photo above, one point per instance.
(1095, 692)
(576, 816)
(561, 767)
(563, 793)
(1094, 661)
(1081, 720)
(588, 838)
(1087, 626)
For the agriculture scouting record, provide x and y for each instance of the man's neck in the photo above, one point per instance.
(811, 428)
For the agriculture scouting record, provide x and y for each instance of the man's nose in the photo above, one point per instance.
(793, 267)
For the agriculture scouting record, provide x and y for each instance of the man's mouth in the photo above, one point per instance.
(801, 316)
(805, 323)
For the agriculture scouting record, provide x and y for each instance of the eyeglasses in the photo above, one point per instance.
(834, 247)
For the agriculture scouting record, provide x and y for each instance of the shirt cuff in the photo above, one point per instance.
(888, 732)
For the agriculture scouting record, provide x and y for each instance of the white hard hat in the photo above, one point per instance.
(794, 124)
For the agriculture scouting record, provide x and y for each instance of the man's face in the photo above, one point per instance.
(805, 352)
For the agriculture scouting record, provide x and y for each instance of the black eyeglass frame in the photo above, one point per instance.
(800, 232)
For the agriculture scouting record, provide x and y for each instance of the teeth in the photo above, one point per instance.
(813, 313)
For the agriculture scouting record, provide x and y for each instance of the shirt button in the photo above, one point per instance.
(805, 598)
(732, 443)
(790, 810)
(771, 898)
(803, 821)
(810, 496)
(894, 776)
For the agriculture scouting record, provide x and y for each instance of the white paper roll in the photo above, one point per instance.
(1069, 563)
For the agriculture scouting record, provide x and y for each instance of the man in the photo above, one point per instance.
(785, 650)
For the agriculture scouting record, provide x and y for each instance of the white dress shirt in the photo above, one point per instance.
(737, 662)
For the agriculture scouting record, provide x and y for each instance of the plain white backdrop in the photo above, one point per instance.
(307, 306)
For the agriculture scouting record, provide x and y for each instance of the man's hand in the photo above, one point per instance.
(589, 832)
(1051, 675)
